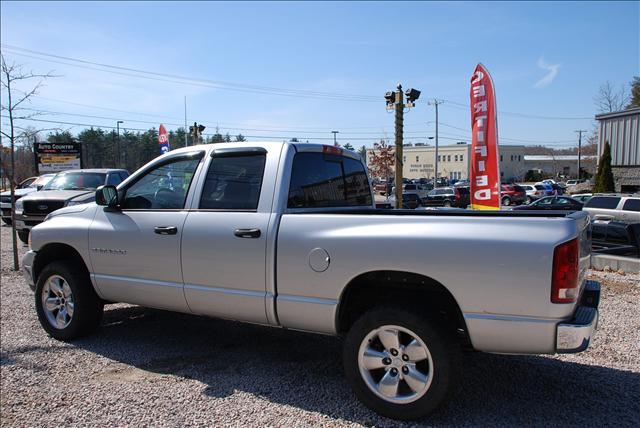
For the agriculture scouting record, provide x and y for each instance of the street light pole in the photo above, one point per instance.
(436, 102)
(335, 142)
(118, 141)
(579, 132)
(395, 101)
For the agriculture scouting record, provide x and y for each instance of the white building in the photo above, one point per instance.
(453, 161)
(565, 165)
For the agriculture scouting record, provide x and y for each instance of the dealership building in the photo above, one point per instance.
(453, 161)
(622, 131)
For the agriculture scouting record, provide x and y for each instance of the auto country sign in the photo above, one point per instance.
(55, 157)
(484, 177)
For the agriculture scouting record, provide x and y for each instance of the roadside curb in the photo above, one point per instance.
(615, 263)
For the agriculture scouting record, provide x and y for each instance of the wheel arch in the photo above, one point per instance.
(375, 288)
(53, 252)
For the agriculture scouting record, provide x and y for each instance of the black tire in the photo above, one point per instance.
(23, 235)
(445, 353)
(88, 307)
(529, 200)
(506, 201)
(446, 204)
(7, 221)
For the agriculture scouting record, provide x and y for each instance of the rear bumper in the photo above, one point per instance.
(576, 335)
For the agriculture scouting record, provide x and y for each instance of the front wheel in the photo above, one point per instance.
(506, 201)
(66, 303)
(399, 363)
(446, 204)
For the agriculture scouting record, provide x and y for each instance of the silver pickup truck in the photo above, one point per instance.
(286, 235)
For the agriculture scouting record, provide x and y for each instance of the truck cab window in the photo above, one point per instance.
(322, 180)
(164, 187)
(233, 182)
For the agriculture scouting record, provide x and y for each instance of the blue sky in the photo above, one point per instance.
(546, 59)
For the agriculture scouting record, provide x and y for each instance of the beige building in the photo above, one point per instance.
(453, 161)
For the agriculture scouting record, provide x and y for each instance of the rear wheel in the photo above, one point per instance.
(399, 363)
(66, 303)
(446, 204)
(23, 235)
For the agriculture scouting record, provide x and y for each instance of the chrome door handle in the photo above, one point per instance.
(165, 230)
(247, 233)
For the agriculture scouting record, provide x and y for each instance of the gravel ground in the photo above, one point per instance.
(155, 368)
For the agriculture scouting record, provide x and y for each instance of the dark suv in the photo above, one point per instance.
(447, 197)
(77, 186)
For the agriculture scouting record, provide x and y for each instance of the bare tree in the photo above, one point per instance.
(12, 74)
(610, 99)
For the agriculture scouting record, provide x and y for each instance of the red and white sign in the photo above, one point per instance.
(484, 176)
(163, 140)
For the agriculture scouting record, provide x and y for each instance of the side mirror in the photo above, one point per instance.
(39, 187)
(107, 196)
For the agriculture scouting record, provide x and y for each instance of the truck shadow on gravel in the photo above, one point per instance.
(305, 371)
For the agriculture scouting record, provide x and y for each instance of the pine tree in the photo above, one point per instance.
(604, 176)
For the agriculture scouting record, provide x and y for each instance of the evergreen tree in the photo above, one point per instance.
(240, 138)
(635, 93)
(604, 176)
(348, 146)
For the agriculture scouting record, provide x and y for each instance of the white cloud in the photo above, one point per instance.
(552, 73)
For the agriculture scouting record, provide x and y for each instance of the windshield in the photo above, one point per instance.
(41, 181)
(76, 181)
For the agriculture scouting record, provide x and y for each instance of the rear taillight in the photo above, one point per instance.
(564, 285)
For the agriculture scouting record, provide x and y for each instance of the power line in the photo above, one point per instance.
(241, 87)
(173, 78)
(462, 106)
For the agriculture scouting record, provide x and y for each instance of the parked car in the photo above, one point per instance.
(512, 194)
(72, 187)
(574, 182)
(462, 183)
(409, 200)
(616, 237)
(550, 191)
(31, 184)
(447, 197)
(582, 197)
(553, 203)
(533, 191)
(265, 233)
(614, 207)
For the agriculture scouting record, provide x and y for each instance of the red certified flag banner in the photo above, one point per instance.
(163, 140)
(484, 176)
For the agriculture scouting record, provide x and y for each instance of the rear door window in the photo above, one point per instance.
(631, 205)
(327, 180)
(605, 202)
(233, 182)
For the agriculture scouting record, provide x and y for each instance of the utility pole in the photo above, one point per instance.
(395, 102)
(579, 131)
(435, 103)
(118, 142)
(335, 142)
(186, 139)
